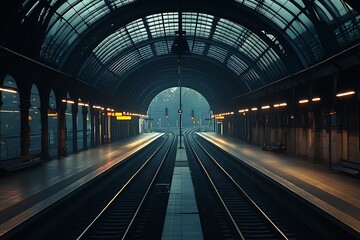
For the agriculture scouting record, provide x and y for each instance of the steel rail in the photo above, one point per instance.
(108, 205)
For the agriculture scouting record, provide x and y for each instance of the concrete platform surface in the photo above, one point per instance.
(182, 219)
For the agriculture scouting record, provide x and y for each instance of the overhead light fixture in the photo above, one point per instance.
(68, 101)
(180, 45)
(254, 109)
(316, 99)
(343, 94)
(265, 107)
(303, 101)
(280, 105)
(7, 89)
(83, 104)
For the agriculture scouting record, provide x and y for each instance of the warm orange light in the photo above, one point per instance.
(303, 101)
(68, 101)
(280, 105)
(254, 109)
(265, 107)
(343, 94)
(316, 99)
(10, 90)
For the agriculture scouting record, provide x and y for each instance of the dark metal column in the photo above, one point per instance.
(25, 128)
(84, 120)
(74, 112)
(61, 129)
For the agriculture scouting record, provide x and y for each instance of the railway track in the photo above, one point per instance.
(116, 205)
(117, 218)
(245, 217)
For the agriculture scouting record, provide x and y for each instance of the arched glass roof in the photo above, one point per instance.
(256, 41)
(219, 39)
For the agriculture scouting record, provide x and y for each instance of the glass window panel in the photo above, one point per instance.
(197, 23)
(113, 44)
(217, 53)
(146, 52)
(10, 122)
(35, 121)
(323, 12)
(52, 128)
(120, 3)
(63, 8)
(236, 65)
(126, 62)
(161, 48)
(137, 31)
(198, 47)
(73, 13)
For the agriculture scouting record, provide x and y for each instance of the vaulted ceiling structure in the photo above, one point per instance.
(123, 47)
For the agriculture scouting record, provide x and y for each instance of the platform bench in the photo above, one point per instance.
(348, 167)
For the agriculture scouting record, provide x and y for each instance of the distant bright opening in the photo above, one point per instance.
(163, 110)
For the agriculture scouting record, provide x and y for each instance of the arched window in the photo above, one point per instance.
(10, 120)
(35, 121)
(53, 126)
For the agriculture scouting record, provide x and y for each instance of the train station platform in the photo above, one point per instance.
(25, 193)
(182, 219)
(335, 193)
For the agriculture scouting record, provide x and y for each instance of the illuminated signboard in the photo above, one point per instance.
(121, 117)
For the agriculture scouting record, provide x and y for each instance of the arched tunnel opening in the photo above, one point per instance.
(163, 111)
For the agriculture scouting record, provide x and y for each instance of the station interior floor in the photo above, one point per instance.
(25, 193)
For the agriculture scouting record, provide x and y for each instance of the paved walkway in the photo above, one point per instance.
(182, 219)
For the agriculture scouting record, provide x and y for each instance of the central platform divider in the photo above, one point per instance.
(182, 219)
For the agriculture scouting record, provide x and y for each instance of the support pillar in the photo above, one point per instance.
(25, 128)
(61, 130)
(74, 112)
(84, 120)
(92, 130)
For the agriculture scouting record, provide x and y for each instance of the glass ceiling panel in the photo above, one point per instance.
(120, 3)
(163, 24)
(78, 16)
(236, 65)
(146, 52)
(197, 47)
(137, 31)
(73, 17)
(197, 27)
(291, 16)
(251, 79)
(162, 48)
(116, 42)
(197, 24)
(123, 38)
(125, 63)
(217, 53)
